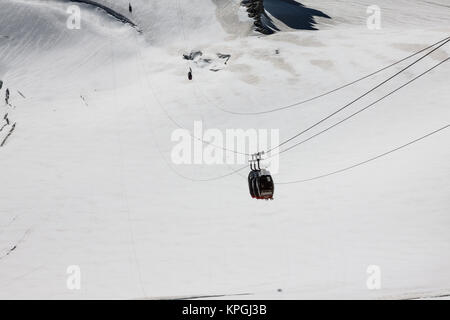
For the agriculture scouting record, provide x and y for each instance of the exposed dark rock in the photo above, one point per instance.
(292, 13)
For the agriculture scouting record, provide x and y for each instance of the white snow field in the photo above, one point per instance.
(87, 178)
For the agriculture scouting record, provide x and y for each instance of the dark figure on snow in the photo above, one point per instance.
(7, 96)
(6, 119)
(1, 84)
(190, 74)
(130, 8)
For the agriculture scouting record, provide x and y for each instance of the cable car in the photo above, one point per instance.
(260, 182)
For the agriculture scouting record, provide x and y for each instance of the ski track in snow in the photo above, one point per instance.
(108, 10)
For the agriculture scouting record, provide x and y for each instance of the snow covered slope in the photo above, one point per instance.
(87, 177)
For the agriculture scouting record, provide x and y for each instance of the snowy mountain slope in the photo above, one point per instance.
(87, 178)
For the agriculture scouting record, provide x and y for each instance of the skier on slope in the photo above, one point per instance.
(130, 8)
(190, 74)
